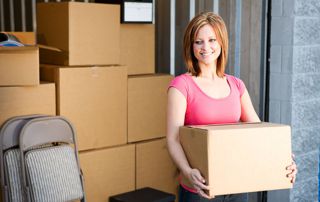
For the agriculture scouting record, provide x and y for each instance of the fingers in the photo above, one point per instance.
(199, 177)
(197, 180)
(292, 167)
(202, 193)
(198, 183)
(293, 172)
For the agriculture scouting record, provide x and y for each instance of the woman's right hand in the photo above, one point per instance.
(198, 182)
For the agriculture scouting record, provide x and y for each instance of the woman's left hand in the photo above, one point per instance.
(293, 170)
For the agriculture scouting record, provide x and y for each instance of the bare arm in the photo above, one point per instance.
(175, 118)
(248, 114)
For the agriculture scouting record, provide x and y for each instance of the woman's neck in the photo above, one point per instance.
(208, 71)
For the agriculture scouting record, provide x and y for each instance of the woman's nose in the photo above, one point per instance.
(205, 46)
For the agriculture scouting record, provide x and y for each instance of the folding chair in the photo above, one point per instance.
(45, 166)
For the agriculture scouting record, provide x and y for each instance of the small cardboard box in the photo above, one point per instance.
(147, 106)
(108, 172)
(241, 157)
(155, 168)
(17, 101)
(137, 48)
(19, 66)
(86, 33)
(94, 99)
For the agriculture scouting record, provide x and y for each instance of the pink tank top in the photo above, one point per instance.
(203, 109)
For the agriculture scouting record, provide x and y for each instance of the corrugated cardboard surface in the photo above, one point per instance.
(240, 158)
(86, 33)
(108, 172)
(137, 48)
(147, 106)
(17, 101)
(154, 167)
(94, 99)
(19, 66)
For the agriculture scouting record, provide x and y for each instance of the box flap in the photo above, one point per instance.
(49, 48)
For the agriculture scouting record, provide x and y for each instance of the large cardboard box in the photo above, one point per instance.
(19, 66)
(147, 106)
(86, 33)
(94, 99)
(155, 168)
(108, 172)
(137, 48)
(17, 101)
(239, 158)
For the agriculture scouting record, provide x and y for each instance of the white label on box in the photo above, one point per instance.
(137, 12)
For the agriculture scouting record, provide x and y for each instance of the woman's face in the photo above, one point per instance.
(206, 47)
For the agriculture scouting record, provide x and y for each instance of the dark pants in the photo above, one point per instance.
(187, 196)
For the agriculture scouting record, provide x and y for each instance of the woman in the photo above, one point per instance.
(206, 95)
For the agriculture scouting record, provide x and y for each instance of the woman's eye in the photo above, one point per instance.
(198, 42)
(212, 40)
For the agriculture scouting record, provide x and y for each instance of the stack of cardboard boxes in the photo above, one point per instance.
(21, 92)
(106, 86)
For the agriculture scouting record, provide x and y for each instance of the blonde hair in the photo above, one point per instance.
(219, 27)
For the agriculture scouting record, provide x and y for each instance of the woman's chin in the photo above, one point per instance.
(206, 63)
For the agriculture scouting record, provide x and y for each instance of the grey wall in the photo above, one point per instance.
(295, 89)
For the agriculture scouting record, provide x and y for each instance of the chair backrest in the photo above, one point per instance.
(44, 130)
(10, 130)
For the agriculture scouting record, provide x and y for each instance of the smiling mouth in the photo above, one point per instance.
(206, 54)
